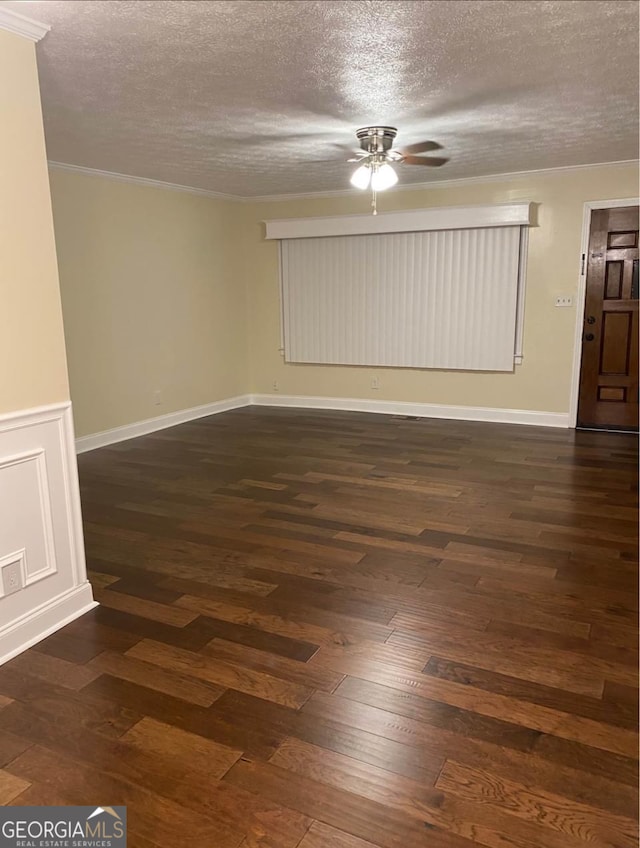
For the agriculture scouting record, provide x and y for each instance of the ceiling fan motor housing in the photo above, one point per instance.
(376, 139)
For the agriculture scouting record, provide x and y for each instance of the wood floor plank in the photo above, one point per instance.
(572, 820)
(556, 699)
(322, 835)
(344, 811)
(569, 671)
(155, 816)
(11, 746)
(395, 751)
(282, 667)
(583, 645)
(164, 613)
(385, 684)
(195, 719)
(429, 806)
(152, 676)
(54, 704)
(332, 631)
(100, 580)
(185, 771)
(615, 767)
(53, 669)
(276, 829)
(200, 755)
(225, 674)
(432, 715)
(11, 787)
(615, 633)
(325, 629)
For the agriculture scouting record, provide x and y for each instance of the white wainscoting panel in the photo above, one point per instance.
(40, 527)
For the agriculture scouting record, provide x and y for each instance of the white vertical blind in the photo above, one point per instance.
(435, 299)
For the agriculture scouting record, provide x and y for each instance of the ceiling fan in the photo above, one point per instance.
(377, 156)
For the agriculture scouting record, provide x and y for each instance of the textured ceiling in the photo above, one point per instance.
(250, 97)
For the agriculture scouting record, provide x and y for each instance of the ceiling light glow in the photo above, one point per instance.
(383, 177)
(361, 177)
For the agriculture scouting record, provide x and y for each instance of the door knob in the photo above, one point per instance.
(589, 337)
(591, 320)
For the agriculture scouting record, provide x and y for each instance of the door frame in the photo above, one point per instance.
(581, 294)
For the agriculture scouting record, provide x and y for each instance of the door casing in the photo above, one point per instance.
(589, 206)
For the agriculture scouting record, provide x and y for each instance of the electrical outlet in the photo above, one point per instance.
(375, 382)
(157, 398)
(11, 578)
(564, 300)
(275, 386)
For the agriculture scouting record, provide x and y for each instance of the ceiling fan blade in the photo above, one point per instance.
(431, 162)
(420, 147)
(347, 148)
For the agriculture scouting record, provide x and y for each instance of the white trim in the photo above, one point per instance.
(282, 272)
(21, 25)
(438, 184)
(346, 192)
(15, 557)
(404, 221)
(144, 181)
(36, 415)
(422, 410)
(522, 294)
(72, 494)
(588, 208)
(59, 412)
(162, 422)
(38, 456)
(62, 593)
(42, 622)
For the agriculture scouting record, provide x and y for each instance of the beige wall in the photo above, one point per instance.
(179, 293)
(152, 296)
(542, 382)
(32, 356)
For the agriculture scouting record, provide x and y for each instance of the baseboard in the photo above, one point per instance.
(422, 410)
(162, 422)
(385, 407)
(42, 622)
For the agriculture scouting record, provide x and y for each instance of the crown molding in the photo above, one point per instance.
(21, 25)
(436, 184)
(128, 178)
(349, 192)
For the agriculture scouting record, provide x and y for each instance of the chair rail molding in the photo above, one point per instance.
(41, 529)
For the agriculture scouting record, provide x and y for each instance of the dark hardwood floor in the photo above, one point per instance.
(339, 630)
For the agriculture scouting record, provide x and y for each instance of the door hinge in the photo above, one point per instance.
(582, 268)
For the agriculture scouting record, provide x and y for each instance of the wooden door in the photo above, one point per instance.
(609, 371)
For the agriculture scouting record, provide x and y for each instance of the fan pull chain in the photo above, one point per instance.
(374, 201)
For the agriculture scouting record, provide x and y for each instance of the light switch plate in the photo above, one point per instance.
(564, 300)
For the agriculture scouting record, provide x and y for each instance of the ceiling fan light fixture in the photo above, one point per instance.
(383, 177)
(377, 152)
(361, 177)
